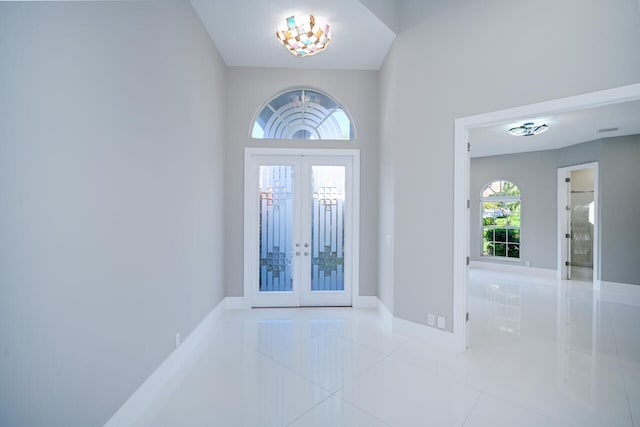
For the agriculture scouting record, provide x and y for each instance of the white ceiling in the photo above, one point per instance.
(565, 129)
(244, 32)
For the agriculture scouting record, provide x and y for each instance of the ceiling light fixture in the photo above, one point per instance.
(528, 129)
(304, 37)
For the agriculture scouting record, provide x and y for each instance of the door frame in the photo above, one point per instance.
(565, 172)
(462, 127)
(251, 233)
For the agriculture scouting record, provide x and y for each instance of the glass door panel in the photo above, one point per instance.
(276, 228)
(327, 228)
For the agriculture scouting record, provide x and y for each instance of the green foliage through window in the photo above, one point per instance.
(501, 220)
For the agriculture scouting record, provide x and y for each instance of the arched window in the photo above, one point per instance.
(303, 114)
(501, 220)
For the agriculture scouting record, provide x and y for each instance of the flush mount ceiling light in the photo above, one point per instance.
(304, 37)
(528, 129)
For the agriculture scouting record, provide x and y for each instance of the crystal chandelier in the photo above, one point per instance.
(304, 37)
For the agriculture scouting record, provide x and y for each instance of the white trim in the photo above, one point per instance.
(249, 232)
(365, 302)
(131, 410)
(564, 172)
(515, 269)
(384, 311)
(461, 178)
(623, 293)
(437, 338)
(237, 303)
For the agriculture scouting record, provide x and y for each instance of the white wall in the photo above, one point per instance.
(460, 58)
(111, 125)
(386, 200)
(247, 91)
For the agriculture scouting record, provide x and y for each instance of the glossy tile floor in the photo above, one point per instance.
(542, 353)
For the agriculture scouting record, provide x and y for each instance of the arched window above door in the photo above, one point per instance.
(303, 114)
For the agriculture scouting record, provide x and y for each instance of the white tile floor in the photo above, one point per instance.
(543, 353)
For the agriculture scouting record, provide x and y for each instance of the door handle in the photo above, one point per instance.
(297, 253)
(306, 245)
(306, 254)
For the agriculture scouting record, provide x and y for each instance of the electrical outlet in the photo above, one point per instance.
(177, 339)
(431, 320)
(441, 322)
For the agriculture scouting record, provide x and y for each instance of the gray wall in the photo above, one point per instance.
(620, 209)
(535, 175)
(248, 90)
(111, 128)
(458, 58)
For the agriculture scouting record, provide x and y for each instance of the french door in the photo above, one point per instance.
(299, 225)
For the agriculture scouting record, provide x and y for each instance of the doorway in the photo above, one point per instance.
(462, 173)
(578, 223)
(299, 227)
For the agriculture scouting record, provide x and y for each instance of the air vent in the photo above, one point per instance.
(603, 130)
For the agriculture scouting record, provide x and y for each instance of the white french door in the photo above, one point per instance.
(299, 229)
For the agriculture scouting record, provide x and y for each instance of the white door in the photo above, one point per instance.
(299, 216)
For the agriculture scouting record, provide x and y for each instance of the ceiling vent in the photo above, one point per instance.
(604, 130)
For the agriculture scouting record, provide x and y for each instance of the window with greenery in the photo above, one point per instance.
(501, 220)
(303, 114)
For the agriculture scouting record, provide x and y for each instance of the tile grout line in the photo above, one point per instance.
(472, 408)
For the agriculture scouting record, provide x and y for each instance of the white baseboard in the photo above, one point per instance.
(516, 268)
(428, 335)
(623, 293)
(130, 411)
(365, 302)
(237, 303)
(384, 311)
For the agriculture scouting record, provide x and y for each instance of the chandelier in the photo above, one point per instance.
(528, 129)
(304, 37)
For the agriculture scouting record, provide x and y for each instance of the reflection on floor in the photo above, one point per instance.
(543, 353)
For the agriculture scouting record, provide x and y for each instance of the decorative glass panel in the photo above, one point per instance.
(276, 228)
(303, 114)
(327, 228)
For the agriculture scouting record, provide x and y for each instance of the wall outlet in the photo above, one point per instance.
(177, 339)
(431, 320)
(441, 322)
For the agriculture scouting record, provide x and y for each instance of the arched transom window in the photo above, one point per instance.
(303, 114)
(501, 220)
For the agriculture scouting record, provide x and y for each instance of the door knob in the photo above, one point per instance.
(297, 253)
(306, 254)
(297, 245)
(306, 245)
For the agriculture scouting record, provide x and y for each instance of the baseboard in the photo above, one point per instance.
(130, 411)
(438, 338)
(623, 293)
(384, 311)
(517, 269)
(237, 303)
(426, 334)
(365, 302)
